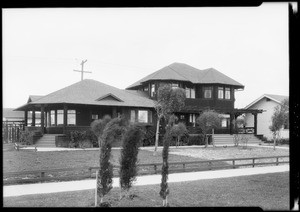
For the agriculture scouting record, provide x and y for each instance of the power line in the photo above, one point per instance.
(82, 71)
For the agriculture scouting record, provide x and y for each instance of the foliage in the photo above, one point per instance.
(168, 137)
(90, 135)
(113, 130)
(208, 120)
(26, 137)
(179, 130)
(169, 100)
(75, 138)
(129, 155)
(197, 140)
(279, 118)
(98, 127)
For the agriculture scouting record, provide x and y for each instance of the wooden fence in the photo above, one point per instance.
(11, 131)
(149, 168)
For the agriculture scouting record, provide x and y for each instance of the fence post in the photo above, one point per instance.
(42, 175)
(277, 159)
(155, 169)
(210, 165)
(183, 166)
(90, 172)
(96, 189)
(233, 164)
(253, 162)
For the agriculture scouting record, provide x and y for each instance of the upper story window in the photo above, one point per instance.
(152, 92)
(227, 93)
(220, 93)
(190, 93)
(207, 92)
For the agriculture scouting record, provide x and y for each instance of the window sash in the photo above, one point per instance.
(143, 116)
(60, 117)
(152, 90)
(207, 92)
(227, 93)
(220, 93)
(71, 117)
(94, 116)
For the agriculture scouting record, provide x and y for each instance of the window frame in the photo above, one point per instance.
(227, 89)
(207, 88)
(220, 89)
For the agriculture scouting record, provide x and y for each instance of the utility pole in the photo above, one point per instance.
(82, 71)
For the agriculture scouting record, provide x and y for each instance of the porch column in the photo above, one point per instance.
(46, 119)
(65, 118)
(42, 118)
(33, 118)
(231, 124)
(114, 112)
(25, 117)
(55, 117)
(255, 123)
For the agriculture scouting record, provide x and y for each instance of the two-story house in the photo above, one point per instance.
(76, 106)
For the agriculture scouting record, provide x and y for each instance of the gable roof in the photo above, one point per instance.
(33, 98)
(184, 72)
(89, 92)
(275, 98)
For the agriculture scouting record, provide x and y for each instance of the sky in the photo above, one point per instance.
(43, 46)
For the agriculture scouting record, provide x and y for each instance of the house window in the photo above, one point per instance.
(143, 116)
(227, 93)
(60, 117)
(71, 117)
(220, 93)
(52, 117)
(223, 122)
(152, 90)
(174, 85)
(192, 119)
(207, 92)
(94, 116)
(150, 116)
(146, 88)
(181, 117)
(132, 116)
(190, 93)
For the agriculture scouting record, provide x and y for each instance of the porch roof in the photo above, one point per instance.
(89, 92)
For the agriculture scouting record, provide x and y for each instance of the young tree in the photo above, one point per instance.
(238, 123)
(179, 130)
(164, 189)
(112, 131)
(279, 118)
(169, 100)
(208, 120)
(98, 126)
(129, 156)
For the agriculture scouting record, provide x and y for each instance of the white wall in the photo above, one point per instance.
(264, 119)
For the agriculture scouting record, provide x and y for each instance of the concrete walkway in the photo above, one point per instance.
(54, 187)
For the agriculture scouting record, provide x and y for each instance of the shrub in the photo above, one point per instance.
(75, 138)
(196, 140)
(284, 141)
(85, 144)
(26, 137)
(90, 135)
(129, 153)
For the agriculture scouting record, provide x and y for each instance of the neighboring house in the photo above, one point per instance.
(10, 115)
(267, 102)
(76, 106)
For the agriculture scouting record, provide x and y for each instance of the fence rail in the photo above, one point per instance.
(154, 169)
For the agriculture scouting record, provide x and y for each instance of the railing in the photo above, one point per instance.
(246, 130)
(155, 168)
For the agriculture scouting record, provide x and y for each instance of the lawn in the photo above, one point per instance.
(268, 191)
(25, 160)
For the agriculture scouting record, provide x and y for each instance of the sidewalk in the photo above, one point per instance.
(54, 187)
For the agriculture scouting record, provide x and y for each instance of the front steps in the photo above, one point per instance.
(227, 139)
(48, 140)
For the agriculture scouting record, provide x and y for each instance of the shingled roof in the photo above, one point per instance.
(92, 92)
(184, 72)
(275, 98)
